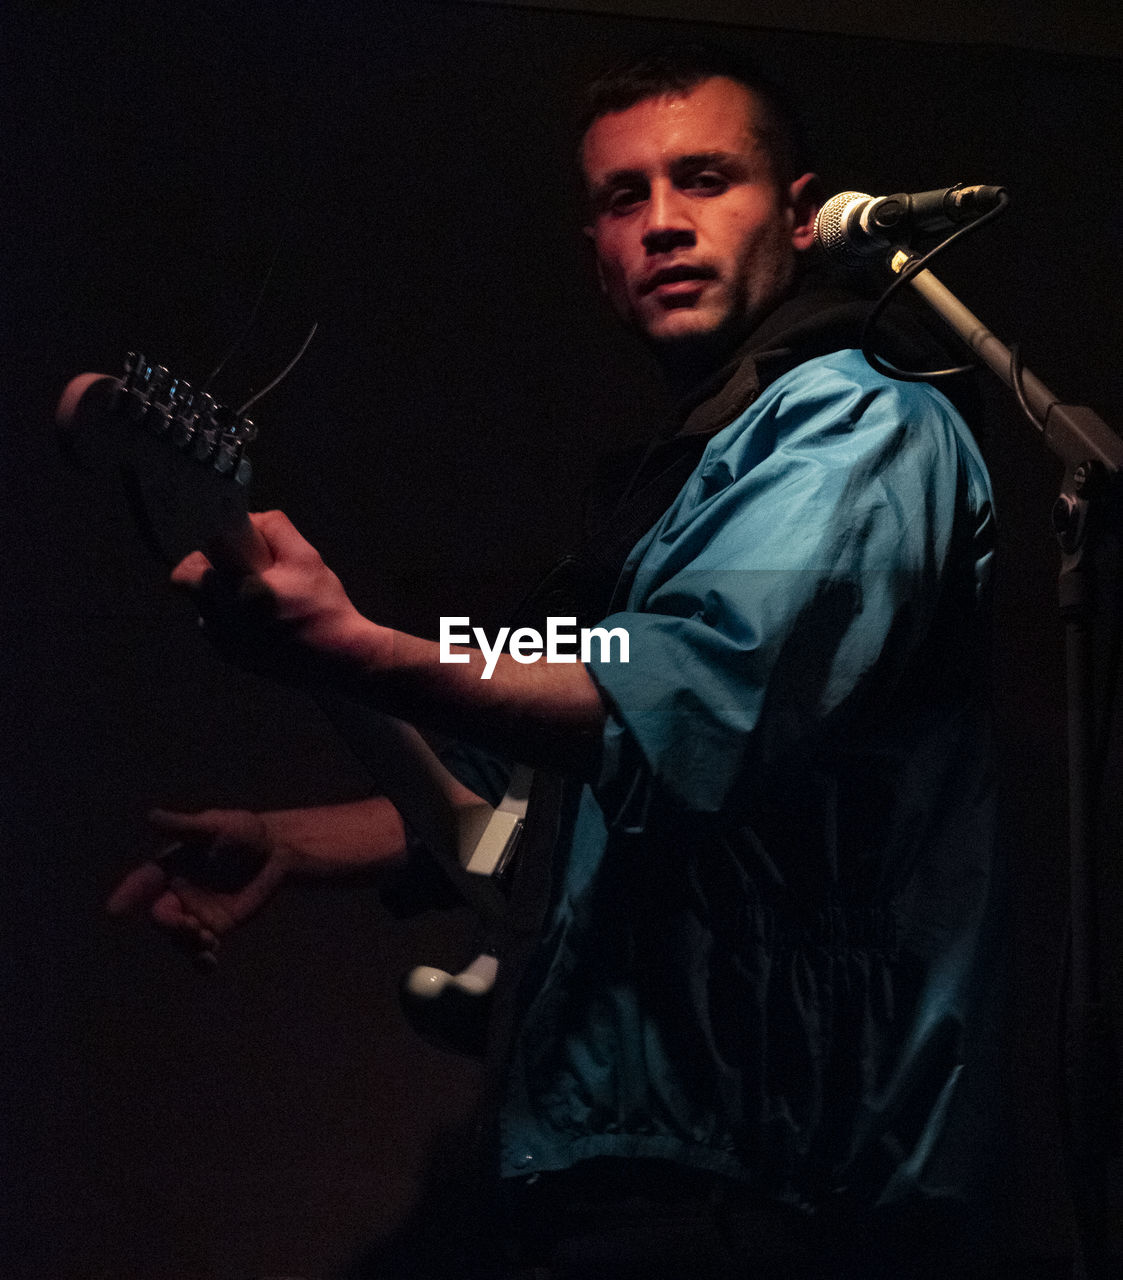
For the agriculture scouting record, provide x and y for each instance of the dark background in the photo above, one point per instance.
(412, 163)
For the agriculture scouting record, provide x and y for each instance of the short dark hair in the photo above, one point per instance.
(676, 70)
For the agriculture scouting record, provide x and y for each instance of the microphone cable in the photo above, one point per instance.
(914, 268)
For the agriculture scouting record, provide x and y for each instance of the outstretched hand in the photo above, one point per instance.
(216, 869)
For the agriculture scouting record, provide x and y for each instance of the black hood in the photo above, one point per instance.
(817, 319)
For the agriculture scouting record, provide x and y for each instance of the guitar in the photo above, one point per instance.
(183, 455)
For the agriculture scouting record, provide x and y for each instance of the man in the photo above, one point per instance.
(748, 1023)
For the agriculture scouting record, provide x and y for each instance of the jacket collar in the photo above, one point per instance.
(817, 319)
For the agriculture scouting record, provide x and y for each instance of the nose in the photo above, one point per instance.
(668, 224)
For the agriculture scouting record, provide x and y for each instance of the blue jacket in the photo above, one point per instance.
(763, 949)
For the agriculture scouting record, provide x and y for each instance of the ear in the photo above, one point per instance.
(805, 199)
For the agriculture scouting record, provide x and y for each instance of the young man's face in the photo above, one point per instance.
(695, 239)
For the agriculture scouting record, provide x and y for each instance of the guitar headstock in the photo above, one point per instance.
(182, 453)
(193, 422)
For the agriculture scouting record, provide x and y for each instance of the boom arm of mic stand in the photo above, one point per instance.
(1073, 432)
(1087, 523)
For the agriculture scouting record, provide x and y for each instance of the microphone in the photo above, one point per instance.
(852, 228)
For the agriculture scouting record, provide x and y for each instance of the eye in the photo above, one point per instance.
(707, 182)
(623, 199)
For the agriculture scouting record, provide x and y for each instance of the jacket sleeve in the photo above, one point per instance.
(789, 582)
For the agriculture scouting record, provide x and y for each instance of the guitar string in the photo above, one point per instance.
(282, 375)
(290, 220)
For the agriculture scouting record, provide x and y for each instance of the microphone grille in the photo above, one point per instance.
(830, 230)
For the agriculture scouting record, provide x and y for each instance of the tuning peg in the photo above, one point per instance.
(230, 453)
(135, 388)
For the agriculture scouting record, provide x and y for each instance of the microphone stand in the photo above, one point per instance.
(1086, 522)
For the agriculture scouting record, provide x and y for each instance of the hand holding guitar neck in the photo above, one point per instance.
(271, 605)
(183, 455)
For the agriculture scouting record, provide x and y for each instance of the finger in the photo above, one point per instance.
(195, 937)
(214, 831)
(205, 822)
(190, 571)
(245, 901)
(282, 537)
(175, 822)
(221, 911)
(168, 912)
(138, 889)
(205, 911)
(191, 936)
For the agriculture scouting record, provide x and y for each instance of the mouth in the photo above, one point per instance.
(682, 279)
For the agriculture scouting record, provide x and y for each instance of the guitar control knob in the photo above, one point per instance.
(451, 1009)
